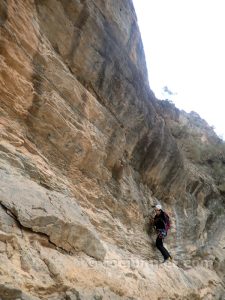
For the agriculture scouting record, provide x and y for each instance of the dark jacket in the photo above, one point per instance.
(160, 221)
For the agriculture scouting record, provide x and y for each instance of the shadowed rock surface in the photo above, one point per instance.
(86, 150)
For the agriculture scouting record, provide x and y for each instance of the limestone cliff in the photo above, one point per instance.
(86, 150)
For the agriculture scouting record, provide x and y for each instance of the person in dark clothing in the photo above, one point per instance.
(160, 225)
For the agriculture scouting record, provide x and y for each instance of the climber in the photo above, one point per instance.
(162, 224)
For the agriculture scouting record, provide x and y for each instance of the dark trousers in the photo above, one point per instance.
(162, 249)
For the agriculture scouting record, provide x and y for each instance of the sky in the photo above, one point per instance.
(184, 43)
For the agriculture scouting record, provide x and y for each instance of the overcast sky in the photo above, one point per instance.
(184, 42)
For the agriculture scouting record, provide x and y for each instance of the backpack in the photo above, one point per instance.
(167, 221)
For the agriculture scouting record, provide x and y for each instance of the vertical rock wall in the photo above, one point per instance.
(85, 151)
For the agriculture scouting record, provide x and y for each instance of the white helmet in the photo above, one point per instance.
(158, 206)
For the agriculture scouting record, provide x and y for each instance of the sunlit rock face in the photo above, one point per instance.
(86, 151)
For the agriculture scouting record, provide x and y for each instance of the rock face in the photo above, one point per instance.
(50, 213)
(86, 150)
